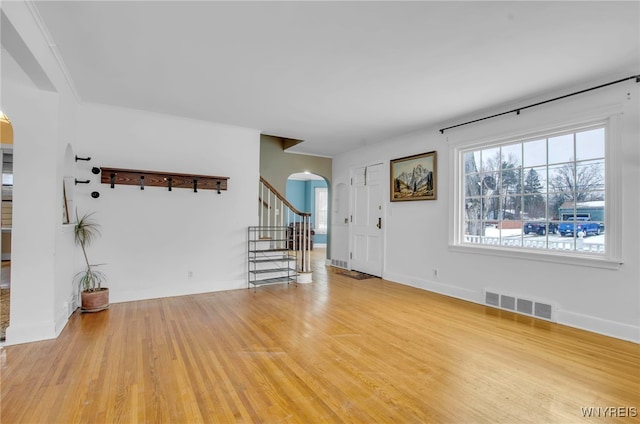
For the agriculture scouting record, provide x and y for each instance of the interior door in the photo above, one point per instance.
(366, 219)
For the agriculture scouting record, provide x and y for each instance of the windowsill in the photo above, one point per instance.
(575, 259)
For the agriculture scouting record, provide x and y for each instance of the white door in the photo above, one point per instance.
(366, 219)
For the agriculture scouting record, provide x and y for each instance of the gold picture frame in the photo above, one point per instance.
(414, 177)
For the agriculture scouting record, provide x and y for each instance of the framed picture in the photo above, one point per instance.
(414, 177)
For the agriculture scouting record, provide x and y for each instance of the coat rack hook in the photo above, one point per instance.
(166, 180)
(82, 181)
(79, 158)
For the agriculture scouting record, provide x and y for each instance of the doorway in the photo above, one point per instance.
(6, 218)
(366, 219)
(310, 193)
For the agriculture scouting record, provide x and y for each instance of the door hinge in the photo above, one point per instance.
(350, 255)
(351, 218)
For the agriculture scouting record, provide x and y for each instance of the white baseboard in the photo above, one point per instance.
(571, 319)
(61, 321)
(605, 327)
(116, 296)
(27, 333)
(435, 286)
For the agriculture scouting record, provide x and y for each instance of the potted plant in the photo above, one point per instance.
(93, 296)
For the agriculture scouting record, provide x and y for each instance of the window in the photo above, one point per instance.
(321, 202)
(546, 194)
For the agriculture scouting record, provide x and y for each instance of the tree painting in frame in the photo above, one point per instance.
(414, 177)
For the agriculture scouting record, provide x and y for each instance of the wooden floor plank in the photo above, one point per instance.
(336, 350)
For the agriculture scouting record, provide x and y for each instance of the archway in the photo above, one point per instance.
(6, 154)
(309, 192)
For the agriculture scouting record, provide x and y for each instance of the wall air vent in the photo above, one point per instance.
(339, 263)
(543, 310)
(520, 305)
(524, 306)
(508, 302)
(492, 299)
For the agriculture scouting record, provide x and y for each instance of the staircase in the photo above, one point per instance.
(279, 248)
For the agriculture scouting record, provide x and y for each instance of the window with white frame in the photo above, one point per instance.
(543, 193)
(321, 210)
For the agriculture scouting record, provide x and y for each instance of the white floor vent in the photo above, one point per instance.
(339, 263)
(519, 305)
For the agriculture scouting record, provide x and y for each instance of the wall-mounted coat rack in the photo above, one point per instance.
(170, 180)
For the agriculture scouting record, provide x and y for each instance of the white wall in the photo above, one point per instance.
(33, 232)
(41, 248)
(417, 233)
(152, 238)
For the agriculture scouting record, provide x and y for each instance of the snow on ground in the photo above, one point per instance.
(517, 232)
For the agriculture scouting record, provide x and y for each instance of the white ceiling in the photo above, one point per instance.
(338, 75)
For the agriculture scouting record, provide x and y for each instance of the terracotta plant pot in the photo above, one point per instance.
(94, 301)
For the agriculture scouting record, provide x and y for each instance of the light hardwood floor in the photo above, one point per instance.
(335, 350)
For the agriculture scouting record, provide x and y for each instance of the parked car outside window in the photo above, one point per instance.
(540, 227)
(580, 226)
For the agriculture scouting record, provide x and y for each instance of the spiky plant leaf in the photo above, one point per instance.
(90, 279)
(86, 229)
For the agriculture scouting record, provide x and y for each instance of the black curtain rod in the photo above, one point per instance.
(517, 111)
